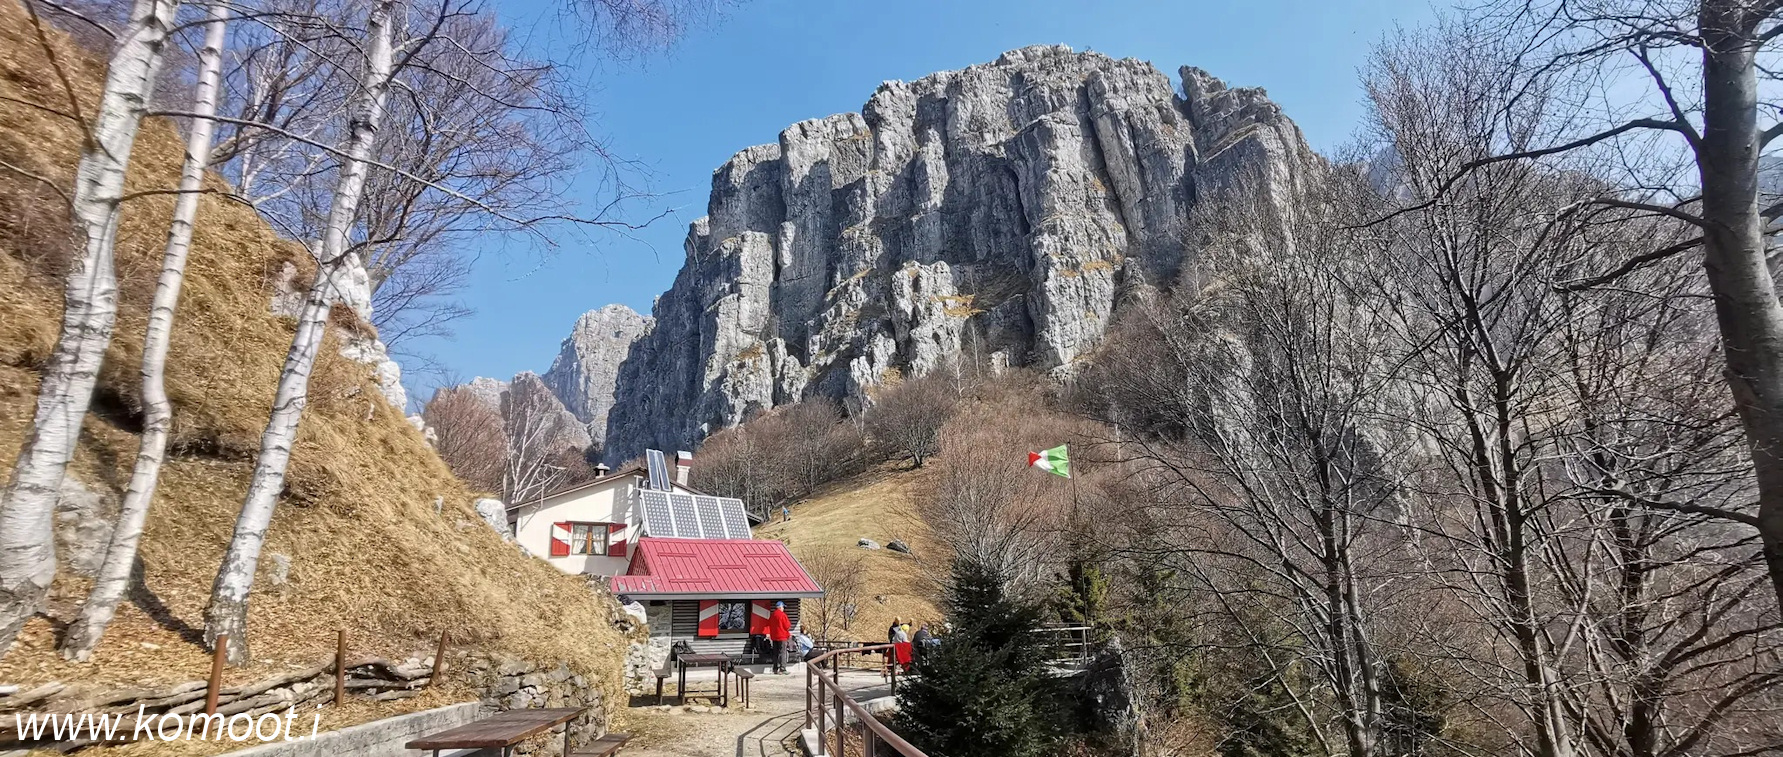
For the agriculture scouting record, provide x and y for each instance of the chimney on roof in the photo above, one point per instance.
(601, 470)
(683, 466)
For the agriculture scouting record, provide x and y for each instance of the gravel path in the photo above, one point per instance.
(767, 729)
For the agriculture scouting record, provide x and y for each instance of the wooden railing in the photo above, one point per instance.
(824, 695)
(1068, 644)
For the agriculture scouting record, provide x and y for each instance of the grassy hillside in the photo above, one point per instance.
(877, 505)
(368, 549)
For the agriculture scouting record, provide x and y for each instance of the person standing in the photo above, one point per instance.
(785, 513)
(779, 630)
(921, 641)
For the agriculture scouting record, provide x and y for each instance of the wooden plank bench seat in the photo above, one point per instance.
(661, 674)
(605, 746)
(743, 677)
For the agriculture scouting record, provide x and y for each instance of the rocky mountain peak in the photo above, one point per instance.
(995, 215)
(587, 364)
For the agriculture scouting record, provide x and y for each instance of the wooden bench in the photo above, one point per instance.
(661, 674)
(743, 676)
(605, 746)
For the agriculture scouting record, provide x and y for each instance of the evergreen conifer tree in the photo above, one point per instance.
(985, 691)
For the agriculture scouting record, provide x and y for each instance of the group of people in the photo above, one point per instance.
(919, 642)
(780, 633)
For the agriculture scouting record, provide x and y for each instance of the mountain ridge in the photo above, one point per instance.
(997, 214)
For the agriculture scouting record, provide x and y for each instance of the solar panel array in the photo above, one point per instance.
(687, 516)
(736, 519)
(659, 470)
(657, 518)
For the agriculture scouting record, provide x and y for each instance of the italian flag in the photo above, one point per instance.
(1054, 461)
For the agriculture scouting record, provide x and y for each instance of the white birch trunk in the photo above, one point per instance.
(90, 303)
(120, 557)
(337, 265)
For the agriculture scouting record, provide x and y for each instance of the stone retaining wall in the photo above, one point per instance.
(511, 683)
(379, 738)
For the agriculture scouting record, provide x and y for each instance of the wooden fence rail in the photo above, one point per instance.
(824, 695)
(323, 682)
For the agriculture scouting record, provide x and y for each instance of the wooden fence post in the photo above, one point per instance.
(216, 673)
(439, 661)
(340, 666)
(841, 719)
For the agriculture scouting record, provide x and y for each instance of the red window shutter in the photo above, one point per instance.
(560, 539)
(617, 546)
(708, 617)
(759, 610)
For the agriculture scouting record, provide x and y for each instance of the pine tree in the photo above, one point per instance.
(985, 691)
(1082, 598)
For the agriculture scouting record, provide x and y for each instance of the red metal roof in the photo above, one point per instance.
(727, 568)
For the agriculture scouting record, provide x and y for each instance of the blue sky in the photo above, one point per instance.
(740, 78)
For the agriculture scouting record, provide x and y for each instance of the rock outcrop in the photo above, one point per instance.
(587, 366)
(529, 408)
(995, 214)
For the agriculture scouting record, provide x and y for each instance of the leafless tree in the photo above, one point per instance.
(906, 418)
(339, 271)
(1509, 392)
(475, 137)
(986, 506)
(542, 454)
(469, 436)
(1672, 97)
(818, 445)
(780, 455)
(842, 572)
(1252, 394)
(387, 54)
(738, 462)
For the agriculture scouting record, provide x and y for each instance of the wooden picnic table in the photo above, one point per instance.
(721, 661)
(501, 731)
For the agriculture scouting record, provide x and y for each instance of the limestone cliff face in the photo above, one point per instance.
(587, 366)
(995, 215)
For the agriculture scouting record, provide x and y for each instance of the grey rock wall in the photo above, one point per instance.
(587, 365)
(995, 215)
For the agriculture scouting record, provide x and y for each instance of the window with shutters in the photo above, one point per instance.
(588, 539)
(733, 616)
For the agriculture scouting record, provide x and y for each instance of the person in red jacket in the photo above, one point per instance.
(779, 630)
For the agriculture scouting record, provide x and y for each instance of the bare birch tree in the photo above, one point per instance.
(541, 453)
(90, 300)
(120, 556)
(338, 266)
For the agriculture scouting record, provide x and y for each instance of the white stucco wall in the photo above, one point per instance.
(607, 502)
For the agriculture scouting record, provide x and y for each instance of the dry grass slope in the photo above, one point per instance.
(368, 550)
(877, 505)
